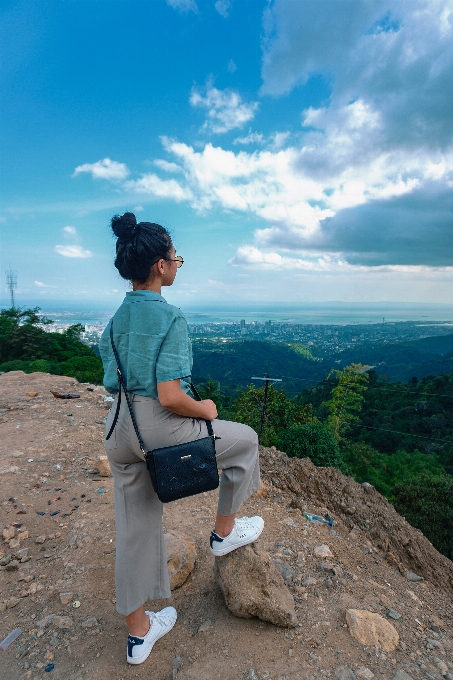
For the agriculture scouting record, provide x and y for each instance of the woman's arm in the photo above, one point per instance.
(172, 397)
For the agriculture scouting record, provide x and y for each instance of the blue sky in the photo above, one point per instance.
(298, 150)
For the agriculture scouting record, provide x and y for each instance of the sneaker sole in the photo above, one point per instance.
(225, 551)
(141, 659)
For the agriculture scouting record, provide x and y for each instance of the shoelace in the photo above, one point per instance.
(244, 523)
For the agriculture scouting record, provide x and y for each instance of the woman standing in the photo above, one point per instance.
(156, 361)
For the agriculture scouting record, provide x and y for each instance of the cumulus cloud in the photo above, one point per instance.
(105, 169)
(251, 138)
(250, 256)
(184, 5)
(70, 232)
(73, 251)
(223, 7)
(160, 188)
(231, 66)
(225, 108)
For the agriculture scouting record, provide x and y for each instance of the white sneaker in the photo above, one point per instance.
(139, 648)
(245, 530)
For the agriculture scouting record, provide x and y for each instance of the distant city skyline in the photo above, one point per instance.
(297, 151)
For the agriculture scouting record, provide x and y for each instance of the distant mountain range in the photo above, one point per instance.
(234, 363)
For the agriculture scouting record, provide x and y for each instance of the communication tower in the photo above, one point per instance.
(11, 283)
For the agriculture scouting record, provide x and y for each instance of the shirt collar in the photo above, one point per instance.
(145, 295)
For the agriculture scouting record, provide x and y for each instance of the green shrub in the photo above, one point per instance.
(311, 440)
(384, 470)
(427, 503)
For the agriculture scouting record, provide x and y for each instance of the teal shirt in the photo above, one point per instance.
(153, 345)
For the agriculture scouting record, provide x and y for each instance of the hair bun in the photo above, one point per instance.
(124, 226)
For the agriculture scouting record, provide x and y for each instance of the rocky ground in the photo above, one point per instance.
(56, 513)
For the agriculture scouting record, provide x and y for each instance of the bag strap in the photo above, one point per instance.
(122, 384)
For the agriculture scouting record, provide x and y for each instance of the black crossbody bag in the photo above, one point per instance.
(176, 471)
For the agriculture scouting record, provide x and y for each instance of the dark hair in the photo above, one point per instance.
(139, 246)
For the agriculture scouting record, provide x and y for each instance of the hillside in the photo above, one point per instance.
(47, 454)
(233, 363)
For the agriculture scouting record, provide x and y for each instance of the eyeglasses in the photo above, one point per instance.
(178, 259)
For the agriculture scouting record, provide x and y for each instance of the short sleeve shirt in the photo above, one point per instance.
(153, 344)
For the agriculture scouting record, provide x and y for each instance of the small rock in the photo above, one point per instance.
(394, 615)
(22, 536)
(371, 629)
(181, 557)
(328, 583)
(364, 673)
(402, 675)
(8, 533)
(251, 675)
(309, 581)
(441, 665)
(2, 606)
(435, 622)
(367, 551)
(413, 577)
(66, 598)
(102, 466)
(12, 602)
(32, 394)
(11, 566)
(205, 626)
(43, 623)
(40, 539)
(5, 560)
(344, 674)
(300, 559)
(89, 623)
(14, 543)
(412, 595)
(253, 586)
(325, 566)
(323, 551)
(285, 570)
(62, 622)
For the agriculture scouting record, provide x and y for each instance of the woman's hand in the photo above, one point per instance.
(174, 399)
(211, 408)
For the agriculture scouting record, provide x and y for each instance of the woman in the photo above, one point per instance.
(156, 360)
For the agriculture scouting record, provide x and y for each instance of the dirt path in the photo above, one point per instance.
(46, 462)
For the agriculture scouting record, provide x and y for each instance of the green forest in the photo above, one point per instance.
(395, 434)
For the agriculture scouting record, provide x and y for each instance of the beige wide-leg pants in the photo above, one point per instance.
(141, 563)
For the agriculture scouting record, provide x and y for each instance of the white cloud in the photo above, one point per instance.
(168, 167)
(40, 284)
(69, 232)
(73, 251)
(223, 7)
(105, 169)
(251, 138)
(225, 109)
(252, 257)
(231, 66)
(184, 5)
(161, 188)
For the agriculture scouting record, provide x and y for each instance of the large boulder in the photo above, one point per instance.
(181, 557)
(371, 629)
(253, 586)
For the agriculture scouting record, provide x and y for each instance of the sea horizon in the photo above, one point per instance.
(310, 313)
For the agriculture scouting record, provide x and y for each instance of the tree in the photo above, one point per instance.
(311, 440)
(346, 399)
(26, 346)
(211, 389)
(383, 470)
(281, 412)
(427, 503)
